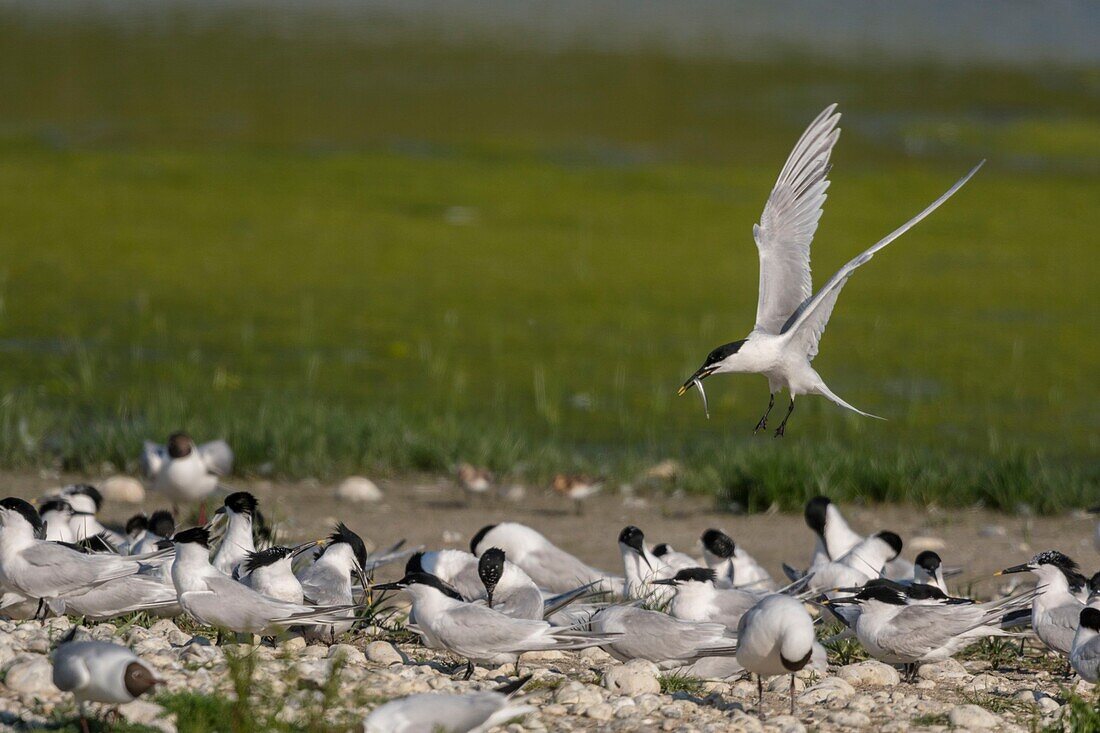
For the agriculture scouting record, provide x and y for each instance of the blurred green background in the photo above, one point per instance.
(393, 250)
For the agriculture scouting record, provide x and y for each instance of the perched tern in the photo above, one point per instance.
(551, 567)
(238, 512)
(99, 671)
(1084, 657)
(56, 515)
(479, 633)
(689, 647)
(432, 712)
(790, 318)
(217, 600)
(697, 598)
(269, 573)
(775, 636)
(733, 567)
(641, 567)
(1056, 610)
(184, 471)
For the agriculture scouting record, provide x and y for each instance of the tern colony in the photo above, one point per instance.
(718, 615)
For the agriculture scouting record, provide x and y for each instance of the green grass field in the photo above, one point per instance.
(396, 255)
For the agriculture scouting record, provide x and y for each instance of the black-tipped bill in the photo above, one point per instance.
(1025, 568)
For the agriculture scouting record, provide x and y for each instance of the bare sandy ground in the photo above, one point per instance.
(433, 512)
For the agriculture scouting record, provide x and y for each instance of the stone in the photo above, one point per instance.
(123, 489)
(293, 643)
(982, 682)
(972, 717)
(786, 724)
(383, 652)
(350, 654)
(829, 689)
(870, 673)
(358, 489)
(594, 654)
(782, 683)
(636, 677)
(600, 711)
(849, 719)
(142, 712)
(948, 669)
(577, 693)
(31, 676)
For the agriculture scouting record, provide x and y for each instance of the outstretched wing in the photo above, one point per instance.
(218, 457)
(789, 221)
(153, 457)
(808, 322)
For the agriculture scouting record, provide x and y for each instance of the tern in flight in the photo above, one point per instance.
(790, 318)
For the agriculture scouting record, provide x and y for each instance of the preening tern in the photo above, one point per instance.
(776, 636)
(790, 318)
(551, 567)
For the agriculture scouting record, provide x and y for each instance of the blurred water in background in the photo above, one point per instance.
(1009, 32)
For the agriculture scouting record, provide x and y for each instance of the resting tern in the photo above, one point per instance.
(217, 600)
(1056, 610)
(133, 593)
(733, 567)
(1084, 657)
(896, 631)
(160, 526)
(835, 538)
(269, 573)
(184, 471)
(86, 502)
(99, 671)
(473, 712)
(551, 568)
(689, 647)
(328, 581)
(928, 569)
(45, 570)
(479, 633)
(860, 564)
(675, 560)
(697, 598)
(775, 636)
(56, 515)
(641, 567)
(790, 319)
(239, 510)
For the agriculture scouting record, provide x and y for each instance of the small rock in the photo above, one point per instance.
(831, 688)
(1047, 704)
(548, 655)
(870, 673)
(981, 683)
(636, 677)
(600, 711)
(594, 654)
(992, 530)
(920, 543)
(293, 643)
(971, 717)
(948, 669)
(142, 712)
(123, 489)
(786, 724)
(31, 676)
(350, 654)
(358, 489)
(782, 683)
(383, 652)
(578, 693)
(849, 719)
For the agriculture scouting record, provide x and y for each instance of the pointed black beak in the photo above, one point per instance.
(397, 585)
(1014, 569)
(666, 581)
(700, 374)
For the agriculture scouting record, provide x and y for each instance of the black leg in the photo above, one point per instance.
(764, 420)
(783, 425)
(760, 695)
(469, 669)
(39, 613)
(792, 694)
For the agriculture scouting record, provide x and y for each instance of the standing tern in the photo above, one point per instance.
(1056, 610)
(551, 567)
(328, 581)
(99, 671)
(473, 712)
(238, 510)
(1085, 655)
(479, 633)
(217, 600)
(641, 567)
(790, 318)
(775, 636)
(733, 567)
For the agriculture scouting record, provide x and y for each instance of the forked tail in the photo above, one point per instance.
(824, 391)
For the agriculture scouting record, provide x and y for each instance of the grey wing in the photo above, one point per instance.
(70, 570)
(218, 457)
(521, 603)
(557, 570)
(480, 629)
(789, 221)
(658, 637)
(918, 629)
(430, 712)
(153, 457)
(1062, 623)
(69, 671)
(807, 324)
(732, 606)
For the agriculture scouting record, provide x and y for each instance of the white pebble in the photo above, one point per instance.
(358, 489)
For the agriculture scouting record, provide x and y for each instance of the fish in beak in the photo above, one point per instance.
(696, 380)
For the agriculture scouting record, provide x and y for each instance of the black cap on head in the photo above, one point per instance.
(929, 560)
(891, 539)
(1063, 562)
(432, 581)
(196, 535)
(924, 592)
(477, 538)
(698, 575)
(1094, 583)
(180, 445)
(662, 549)
(263, 558)
(490, 568)
(815, 513)
(883, 593)
(89, 491)
(1090, 618)
(27, 511)
(415, 564)
(54, 505)
(162, 524)
(137, 523)
(241, 502)
(724, 351)
(632, 537)
(718, 543)
(344, 535)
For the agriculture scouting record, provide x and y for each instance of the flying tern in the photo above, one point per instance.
(790, 318)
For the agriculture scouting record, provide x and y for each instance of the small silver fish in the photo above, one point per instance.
(703, 394)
